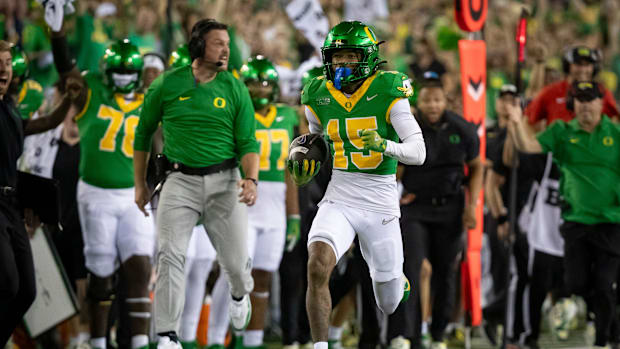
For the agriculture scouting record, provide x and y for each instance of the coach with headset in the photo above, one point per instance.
(208, 126)
(586, 150)
(579, 63)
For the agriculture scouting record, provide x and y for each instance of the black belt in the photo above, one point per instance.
(8, 191)
(207, 170)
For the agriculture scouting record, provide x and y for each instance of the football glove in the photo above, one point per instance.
(372, 141)
(55, 11)
(303, 174)
(292, 231)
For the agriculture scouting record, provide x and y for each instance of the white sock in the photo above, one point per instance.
(320, 345)
(98, 343)
(335, 333)
(424, 327)
(253, 338)
(139, 341)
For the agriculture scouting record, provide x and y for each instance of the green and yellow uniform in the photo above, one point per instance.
(107, 124)
(590, 166)
(274, 133)
(203, 124)
(343, 119)
(30, 98)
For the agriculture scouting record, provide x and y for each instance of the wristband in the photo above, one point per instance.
(253, 180)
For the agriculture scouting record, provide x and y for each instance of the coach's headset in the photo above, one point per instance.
(575, 53)
(570, 97)
(197, 44)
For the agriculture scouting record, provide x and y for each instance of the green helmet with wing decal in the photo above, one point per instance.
(122, 64)
(260, 69)
(355, 36)
(180, 57)
(19, 62)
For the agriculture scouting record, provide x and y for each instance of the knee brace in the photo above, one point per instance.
(100, 290)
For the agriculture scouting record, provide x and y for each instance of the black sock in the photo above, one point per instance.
(236, 299)
(171, 334)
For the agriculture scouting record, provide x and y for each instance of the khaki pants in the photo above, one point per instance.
(186, 199)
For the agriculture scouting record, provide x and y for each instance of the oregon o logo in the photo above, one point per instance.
(608, 141)
(219, 102)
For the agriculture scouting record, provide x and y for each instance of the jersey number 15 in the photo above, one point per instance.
(353, 128)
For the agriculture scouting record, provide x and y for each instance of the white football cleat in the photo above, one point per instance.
(240, 313)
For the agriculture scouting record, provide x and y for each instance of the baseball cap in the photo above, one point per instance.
(582, 53)
(508, 89)
(431, 79)
(585, 91)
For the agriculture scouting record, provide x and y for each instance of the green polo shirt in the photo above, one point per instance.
(590, 166)
(203, 124)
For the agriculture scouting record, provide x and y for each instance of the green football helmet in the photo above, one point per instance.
(310, 74)
(19, 63)
(357, 36)
(262, 70)
(180, 57)
(122, 64)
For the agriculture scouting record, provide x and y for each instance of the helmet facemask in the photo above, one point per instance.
(262, 92)
(258, 74)
(123, 67)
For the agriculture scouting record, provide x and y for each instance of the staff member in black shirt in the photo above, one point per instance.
(436, 213)
(17, 285)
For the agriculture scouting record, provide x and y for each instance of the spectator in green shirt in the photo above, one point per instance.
(587, 150)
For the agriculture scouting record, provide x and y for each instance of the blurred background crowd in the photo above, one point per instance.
(419, 35)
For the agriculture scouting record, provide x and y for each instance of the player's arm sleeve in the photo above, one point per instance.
(412, 150)
(150, 116)
(313, 121)
(245, 124)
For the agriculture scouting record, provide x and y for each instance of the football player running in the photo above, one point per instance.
(114, 228)
(274, 219)
(362, 111)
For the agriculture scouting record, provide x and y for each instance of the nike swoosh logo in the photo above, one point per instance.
(386, 221)
(279, 118)
(371, 98)
(184, 98)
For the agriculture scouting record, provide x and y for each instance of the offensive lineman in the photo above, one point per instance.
(113, 227)
(362, 111)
